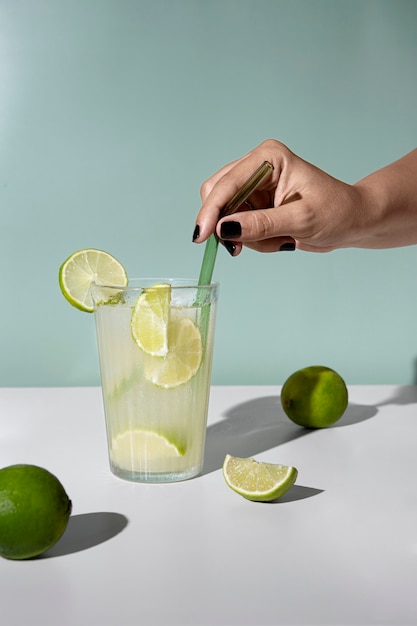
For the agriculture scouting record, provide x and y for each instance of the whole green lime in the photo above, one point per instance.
(34, 511)
(314, 397)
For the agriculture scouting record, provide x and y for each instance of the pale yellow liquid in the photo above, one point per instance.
(134, 403)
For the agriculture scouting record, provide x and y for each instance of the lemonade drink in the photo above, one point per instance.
(155, 341)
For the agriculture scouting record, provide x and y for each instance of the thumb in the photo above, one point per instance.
(287, 220)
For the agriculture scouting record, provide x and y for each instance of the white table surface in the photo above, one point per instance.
(340, 548)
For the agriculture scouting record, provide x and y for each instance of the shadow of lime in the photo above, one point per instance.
(86, 531)
(258, 425)
(402, 396)
(297, 492)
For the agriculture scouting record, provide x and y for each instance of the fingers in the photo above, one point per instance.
(298, 206)
(233, 248)
(282, 228)
(222, 186)
(276, 244)
(268, 228)
(215, 193)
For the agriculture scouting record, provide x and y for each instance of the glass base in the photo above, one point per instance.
(156, 477)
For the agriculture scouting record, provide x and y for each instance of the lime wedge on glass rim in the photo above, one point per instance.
(84, 267)
(257, 481)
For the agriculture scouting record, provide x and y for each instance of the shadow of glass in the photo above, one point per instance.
(258, 425)
(86, 531)
(248, 429)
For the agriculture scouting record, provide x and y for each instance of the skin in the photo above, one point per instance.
(300, 205)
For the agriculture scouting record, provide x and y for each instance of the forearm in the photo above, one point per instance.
(388, 215)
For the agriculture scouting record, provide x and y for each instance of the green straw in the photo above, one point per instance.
(212, 242)
(231, 207)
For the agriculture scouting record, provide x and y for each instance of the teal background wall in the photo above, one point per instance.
(113, 112)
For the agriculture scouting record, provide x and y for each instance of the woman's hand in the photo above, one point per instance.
(301, 206)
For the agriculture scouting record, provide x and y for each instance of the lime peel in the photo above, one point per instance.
(258, 481)
(314, 397)
(34, 511)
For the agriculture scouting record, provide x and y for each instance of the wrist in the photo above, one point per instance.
(369, 210)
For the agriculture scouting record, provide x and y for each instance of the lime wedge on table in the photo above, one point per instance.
(85, 267)
(136, 448)
(258, 481)
(149, 321)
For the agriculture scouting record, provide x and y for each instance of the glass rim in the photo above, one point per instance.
(146, 283)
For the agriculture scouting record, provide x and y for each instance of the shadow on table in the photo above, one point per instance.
(86, 531)
(402, 396)
(260, 424)
(297, 492)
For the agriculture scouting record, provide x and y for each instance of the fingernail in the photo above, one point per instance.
(230, 247)
(230, 229)
(289, 245)
(196, 232)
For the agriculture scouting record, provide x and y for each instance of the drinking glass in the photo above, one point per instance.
(155, 404)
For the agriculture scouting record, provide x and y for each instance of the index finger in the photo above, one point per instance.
(218, 190)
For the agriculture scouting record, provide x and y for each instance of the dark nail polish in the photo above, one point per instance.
(196, 232)
(230, 247)
(289, 245)
(230, 229)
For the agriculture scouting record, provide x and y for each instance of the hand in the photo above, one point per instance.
(299, 206)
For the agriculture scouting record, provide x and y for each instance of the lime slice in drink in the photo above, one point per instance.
(185, 351)
(261, 482)
(138, 449)
(149, 321)
(85, 267)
